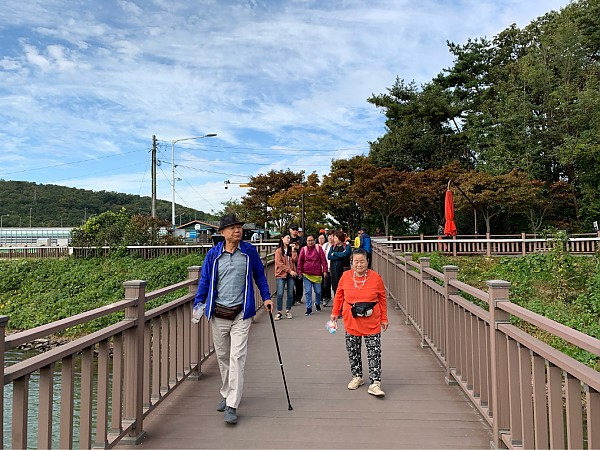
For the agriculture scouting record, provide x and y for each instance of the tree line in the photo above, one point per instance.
(54, 206)
(512, 128)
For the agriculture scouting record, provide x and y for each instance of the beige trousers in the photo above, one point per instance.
(231, 346)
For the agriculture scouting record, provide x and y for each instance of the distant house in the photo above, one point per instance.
(201, 232)
(197, 231)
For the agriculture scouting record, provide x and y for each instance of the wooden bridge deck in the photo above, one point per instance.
(419, 411)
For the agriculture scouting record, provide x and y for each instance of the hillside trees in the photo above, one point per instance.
(120, 229)
(422, 130)
(385, 191)
(263, 188)
(337, 188)
(528, 100)
(53, 206)
(495, 195)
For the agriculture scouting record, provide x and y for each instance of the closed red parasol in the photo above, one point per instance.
(450, 226)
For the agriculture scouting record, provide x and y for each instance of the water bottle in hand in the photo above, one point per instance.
(197, 312)
(331, 326)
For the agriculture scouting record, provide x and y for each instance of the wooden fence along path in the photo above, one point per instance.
(453, 372)
(584, 244)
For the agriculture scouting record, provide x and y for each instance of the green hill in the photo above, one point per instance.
(50, 205)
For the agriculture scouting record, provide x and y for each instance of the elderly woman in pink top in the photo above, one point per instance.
(312, 266)
(285, 271)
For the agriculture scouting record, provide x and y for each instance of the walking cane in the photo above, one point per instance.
(280, 362)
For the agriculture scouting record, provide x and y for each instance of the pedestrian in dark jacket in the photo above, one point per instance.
(365, 244)
(339, 255)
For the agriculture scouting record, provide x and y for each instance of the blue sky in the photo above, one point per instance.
(85, 84)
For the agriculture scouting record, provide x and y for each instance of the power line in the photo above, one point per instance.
(270, 150)
(72, 162)
(192, 187)
(93, 173)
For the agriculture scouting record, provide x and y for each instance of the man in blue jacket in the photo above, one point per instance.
(365, 244)
(227, 290)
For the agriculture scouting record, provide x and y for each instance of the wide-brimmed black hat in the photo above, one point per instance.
(228, 220)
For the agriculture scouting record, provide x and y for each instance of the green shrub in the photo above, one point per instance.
(39, 291)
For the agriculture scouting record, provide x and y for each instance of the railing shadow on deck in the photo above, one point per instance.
(125, 369)
(532, 395)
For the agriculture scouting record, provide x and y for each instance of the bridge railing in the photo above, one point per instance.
(143, 251)
(532, 395)
(118, 374)
(489, 245)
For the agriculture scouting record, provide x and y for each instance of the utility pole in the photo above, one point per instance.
(154, 176)
(302, 213)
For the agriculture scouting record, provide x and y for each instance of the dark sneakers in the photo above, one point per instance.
(308, 312)
(318, 307)
(221, 405)
(230, 415)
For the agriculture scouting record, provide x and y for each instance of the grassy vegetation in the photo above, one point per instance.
(556, 285)
(38, 291)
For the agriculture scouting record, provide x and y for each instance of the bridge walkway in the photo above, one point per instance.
(419, 410)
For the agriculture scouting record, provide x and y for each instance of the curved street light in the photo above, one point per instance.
(173, 142)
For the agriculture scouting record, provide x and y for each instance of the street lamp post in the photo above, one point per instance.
(302, 216)
(173, 142)
(302, 195)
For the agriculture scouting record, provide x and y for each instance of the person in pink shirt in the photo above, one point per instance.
(312, 266)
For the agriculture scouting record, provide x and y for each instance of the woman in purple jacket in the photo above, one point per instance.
(312, 266)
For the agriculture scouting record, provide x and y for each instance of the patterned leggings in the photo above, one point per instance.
(373, 344)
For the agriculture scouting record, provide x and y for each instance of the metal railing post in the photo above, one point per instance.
(498, 292)
(134, 361)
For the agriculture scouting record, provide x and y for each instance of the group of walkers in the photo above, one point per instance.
(318, 264)
(307, 264)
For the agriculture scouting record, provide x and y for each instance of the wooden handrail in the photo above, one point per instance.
(582, 340)
(23, 337)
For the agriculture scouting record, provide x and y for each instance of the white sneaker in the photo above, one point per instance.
(355, 383)
(375, 389)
